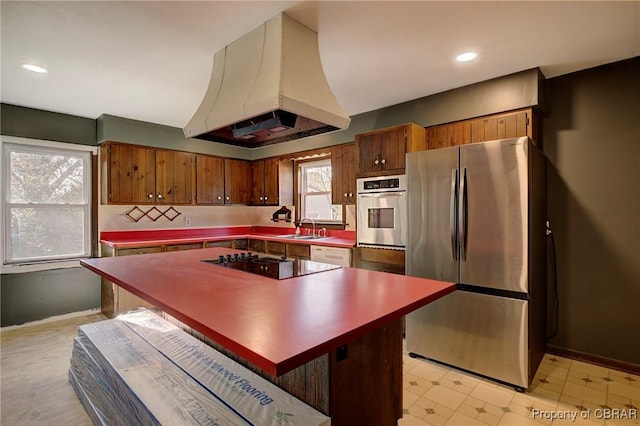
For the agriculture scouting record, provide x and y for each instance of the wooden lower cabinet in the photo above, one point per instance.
(256, 246)
(358, 384)
(382, 260)
(301, 251)
(114, 299)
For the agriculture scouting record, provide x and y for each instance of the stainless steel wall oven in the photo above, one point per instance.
(382, 212)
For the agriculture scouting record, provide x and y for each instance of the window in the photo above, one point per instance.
(315, 192)
(47, 203)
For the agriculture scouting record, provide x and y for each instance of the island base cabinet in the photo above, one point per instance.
(357, 384)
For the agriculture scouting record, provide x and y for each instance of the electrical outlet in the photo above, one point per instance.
(187, 221)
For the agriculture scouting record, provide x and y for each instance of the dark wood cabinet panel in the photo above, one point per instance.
(510, 125)
(383, 151)
(128, 174)
(449, 135)
(343, 176)
(382, 260)
(209, 180)
(142, 175)
(237, 181)
(174, 177)
(265, 188)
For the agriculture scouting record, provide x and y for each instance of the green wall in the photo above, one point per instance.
(37, 124)
(32, 296)
(592, 141)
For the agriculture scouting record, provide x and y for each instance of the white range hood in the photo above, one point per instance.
(268, 87)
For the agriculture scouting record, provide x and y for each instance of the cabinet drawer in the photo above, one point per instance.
(392, 257)
(138, 250)
(240, 244)
(178, 247)
(225, 244)
(299, 250)
(274, 247)
(381, 267)
(256, 245)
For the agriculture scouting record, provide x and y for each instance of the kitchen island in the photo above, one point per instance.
(332, 339)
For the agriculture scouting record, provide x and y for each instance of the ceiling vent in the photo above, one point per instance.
(268, 87)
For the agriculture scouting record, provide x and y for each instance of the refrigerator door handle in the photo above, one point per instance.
(463, 214)
(452, 213)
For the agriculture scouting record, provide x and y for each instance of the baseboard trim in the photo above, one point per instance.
(53, 318)
(627, 367)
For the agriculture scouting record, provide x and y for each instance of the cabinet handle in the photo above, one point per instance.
(159, 196)
(261, 198)
(150, 196)
(346, 194)
(351, 194)
(266, 198)
(219, 197)
(228, 198)
(376, 162)
(383, 161)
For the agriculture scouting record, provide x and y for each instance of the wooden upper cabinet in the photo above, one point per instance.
(502, 126)
(265, 180)
(382, 152)
(343, 174)
(499, 126)
(128, 174)
(175, 177)
(449, 135)
(134, 174)
(237, 181)
(209, 180)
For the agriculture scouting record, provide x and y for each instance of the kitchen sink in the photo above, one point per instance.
(300, 237)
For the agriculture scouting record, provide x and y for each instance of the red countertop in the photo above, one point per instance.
(277, 325)
(141, 238)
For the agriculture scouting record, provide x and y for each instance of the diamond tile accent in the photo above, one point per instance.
(544, 381)
(582, 408)
(606, 379)
(436, 383)
(457, 382)
(506, 409)
(586, 380)
(413, 383)
(631, 406)
(430, 411)
(630, 379)
(481, 410)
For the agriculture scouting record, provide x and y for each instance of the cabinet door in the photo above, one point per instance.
(209, 179)
(131, 174)
(502, 126)
(449, 135)
(343, 175)
(392, 148)
(271, 182)
(174, 177)
(237, 181)
(257, 182)
(368, 152)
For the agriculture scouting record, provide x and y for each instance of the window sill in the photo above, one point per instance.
(41, 266)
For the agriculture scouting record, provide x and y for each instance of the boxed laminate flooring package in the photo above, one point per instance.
(139, 368)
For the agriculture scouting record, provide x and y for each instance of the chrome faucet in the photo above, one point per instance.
(313, 224)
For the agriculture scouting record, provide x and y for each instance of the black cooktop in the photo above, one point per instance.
(279, 268)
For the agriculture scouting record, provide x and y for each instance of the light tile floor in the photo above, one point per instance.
(577, 392)
(35, 389)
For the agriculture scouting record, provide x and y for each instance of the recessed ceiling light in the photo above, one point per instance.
(34, 68)
(466, 57)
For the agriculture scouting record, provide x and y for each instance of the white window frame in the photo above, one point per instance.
(10, 144)
(302, 185)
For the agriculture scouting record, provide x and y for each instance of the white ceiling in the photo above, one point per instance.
(152, 60)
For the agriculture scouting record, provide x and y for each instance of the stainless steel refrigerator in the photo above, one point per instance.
(477, 218)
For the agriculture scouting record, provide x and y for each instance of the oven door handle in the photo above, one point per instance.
(382, 194)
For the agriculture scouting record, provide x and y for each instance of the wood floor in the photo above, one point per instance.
(34, 386)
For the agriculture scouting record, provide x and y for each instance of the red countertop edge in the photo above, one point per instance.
(276, 368)
(141, 238)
